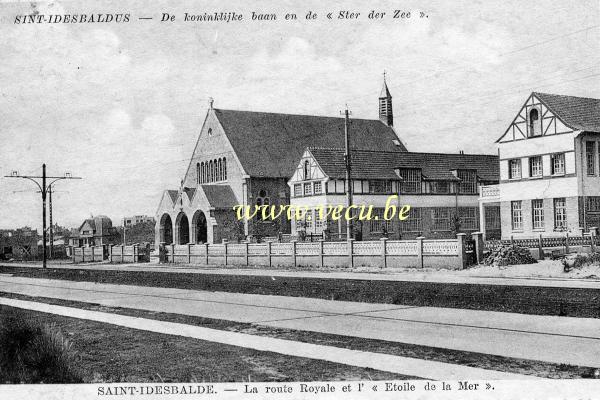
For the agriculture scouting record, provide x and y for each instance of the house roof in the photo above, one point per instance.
(173, 194)
(579, 113)
(219, 196)
(382, 165)
(270, 145)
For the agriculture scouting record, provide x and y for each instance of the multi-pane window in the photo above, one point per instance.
(377, 186)
(297, 190)
(592, 204)
(308, 189)
(557, 161)
(317, 189)
(439, 186)
(468, 182)
(319, 223)
(468, 218)
(411, 180)
(535, 166)
(590, 157)
(414, 221)
(514, 168)
(560, 213)
(537, 213)
(516, 211)
(378, 223)
(441, 219)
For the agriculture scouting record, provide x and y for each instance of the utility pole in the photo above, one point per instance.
(124, 239)
(44, 189)
(51, 228)
(348, 163)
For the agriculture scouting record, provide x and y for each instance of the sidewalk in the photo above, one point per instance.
(566, 340)
(413, 275)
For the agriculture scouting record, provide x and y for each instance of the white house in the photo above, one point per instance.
(549, 168)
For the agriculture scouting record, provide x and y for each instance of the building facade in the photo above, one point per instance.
(246, 158)
(137, 219)
(549, 168)
(20, 244)
(442, 191)
(96, 231)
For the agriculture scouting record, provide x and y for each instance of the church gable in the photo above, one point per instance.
(534, 119)
(213, 159)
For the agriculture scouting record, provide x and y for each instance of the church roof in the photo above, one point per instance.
(382, 165)
(385, 92)
(579, 113)
(270, 144)
(219, 196)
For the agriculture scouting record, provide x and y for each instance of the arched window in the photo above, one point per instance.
(203, 167)
(534, 116)
(210, 170)
(224, 168)
(198, 172)
(214, 178)
(220, 170)
(306, 169)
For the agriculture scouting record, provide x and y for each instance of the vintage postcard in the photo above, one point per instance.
(300, 200)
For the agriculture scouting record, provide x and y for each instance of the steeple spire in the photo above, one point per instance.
(385, 104)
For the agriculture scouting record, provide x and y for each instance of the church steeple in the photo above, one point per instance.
(385, 105)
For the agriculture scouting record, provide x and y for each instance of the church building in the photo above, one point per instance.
(247, 158)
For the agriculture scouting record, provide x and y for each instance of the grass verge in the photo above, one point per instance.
(110, 353)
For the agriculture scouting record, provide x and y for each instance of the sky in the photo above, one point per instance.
(121, 105)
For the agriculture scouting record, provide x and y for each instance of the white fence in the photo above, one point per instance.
(113, 253)
(383, 253)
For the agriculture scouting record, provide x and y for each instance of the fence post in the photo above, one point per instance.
(136, 252)
(122, 253)
(294, 253)
(189, 249)
(269, 251)
(461, 249)
(321, 255)
(593, 239)
(247, 254)
(206, 250)
(420, 251)
(567, 243)
(110, 246)
(351, 253)
(541, 247)
(225, 250)
(172, 252)
(478, 236)
(384, 251)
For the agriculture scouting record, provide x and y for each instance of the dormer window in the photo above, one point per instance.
(411, 180)
(534, 122)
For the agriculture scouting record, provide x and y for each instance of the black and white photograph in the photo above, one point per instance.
(300, 200)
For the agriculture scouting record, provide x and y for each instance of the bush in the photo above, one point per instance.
(509, 255)
(32, 353)
(585, 260)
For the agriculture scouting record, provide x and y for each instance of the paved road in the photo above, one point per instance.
(546, 338)
(383, 275)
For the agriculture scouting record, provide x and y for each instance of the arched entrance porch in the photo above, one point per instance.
(182, 229)
(199, 227)
(166, 229)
